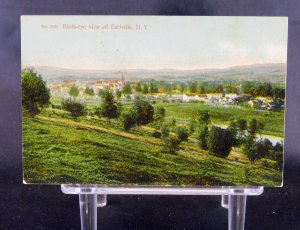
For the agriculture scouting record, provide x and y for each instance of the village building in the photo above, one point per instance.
(192, 97)
(216, 96)
(231, 95)
(189, 97)
(71, 82)
(174, 98)
(81, 90)
(54, 87)
(265, 99)
(64, 90)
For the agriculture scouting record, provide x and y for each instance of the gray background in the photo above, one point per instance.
(45, 207)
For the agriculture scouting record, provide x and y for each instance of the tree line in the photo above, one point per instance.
(255, 89)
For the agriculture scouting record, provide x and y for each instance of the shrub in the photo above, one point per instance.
(171, 145)
(203, 117)
(256, 150)
(89, 91)
(76, 109)
(192, 126)
(156, 134)
(160, 113)
(182, 133)
(74, 92)
(219, 141)
(253, 127)
(129, 120)
(165, 131)
(144, 112)
(233, 127)
(202, 137)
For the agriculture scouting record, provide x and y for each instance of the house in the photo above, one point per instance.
(64, 90)
(231, 95)
(175, 98)
(188, 97)
(266, 99)
(216, 96)
(81, 90)
(201, 97)
(54, 87)
(70, 82)
(192, 97)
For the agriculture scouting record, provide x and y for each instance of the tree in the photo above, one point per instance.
(193, 87)
(160, 113)
(129, 120)
(192, 125)
(233, 128)
(219, 141)
(255, 150)
(165, 131)
(139, 87)
(202, 137)
(89, 91)
(202, 89)
(74, 92)
(145, 89)
(242, 127)
(182, 133)
(266, 90)
(167, 87)
(278, 93)
(203, 117)
(278, 154)
(35, 94)
(260, 127)
(76, 109)
(171, 145)
(182, 87)
(144, 112)
(109, 108)
(127, 89)
(118, 93)
(253, 127)
(153, 88)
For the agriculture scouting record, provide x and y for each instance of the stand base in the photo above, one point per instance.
(91, 197)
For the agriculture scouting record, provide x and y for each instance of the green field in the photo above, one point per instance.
(274, 121)
(58, 150)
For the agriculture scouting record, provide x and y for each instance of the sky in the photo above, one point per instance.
(152, 42)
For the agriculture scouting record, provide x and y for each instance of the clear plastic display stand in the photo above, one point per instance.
(93, 196)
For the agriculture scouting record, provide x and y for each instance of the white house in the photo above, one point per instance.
(231, 95)
(216, 96)
(188, 97)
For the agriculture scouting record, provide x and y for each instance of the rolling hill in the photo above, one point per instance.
(273, 72)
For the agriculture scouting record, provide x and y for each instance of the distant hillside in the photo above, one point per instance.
(274, 73)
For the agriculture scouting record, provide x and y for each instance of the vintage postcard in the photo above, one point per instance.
(153, 100)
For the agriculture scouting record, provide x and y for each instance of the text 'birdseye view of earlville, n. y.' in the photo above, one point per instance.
(183, 101)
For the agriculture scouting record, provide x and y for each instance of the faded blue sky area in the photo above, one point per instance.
(153, 42)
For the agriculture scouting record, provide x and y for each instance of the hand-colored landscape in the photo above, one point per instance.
(153, 131)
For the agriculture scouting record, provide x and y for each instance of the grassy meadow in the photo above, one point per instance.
(57, 149)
